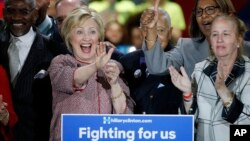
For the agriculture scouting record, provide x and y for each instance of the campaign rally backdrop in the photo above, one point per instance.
(80, 127)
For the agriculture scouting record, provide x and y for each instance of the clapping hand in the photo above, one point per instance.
(102, 57)
(181, 81)
(219, 83)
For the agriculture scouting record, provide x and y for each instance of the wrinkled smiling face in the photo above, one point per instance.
(206, 11)
(84, 40)
(19, 15)
(223, 38)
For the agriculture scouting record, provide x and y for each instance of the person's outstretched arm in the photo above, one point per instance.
(159, 61)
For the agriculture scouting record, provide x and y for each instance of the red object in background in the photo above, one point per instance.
(1, 9)
(187, 8)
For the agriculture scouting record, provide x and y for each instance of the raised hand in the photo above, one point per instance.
(150, 16)
(181, 81)
(102, 57)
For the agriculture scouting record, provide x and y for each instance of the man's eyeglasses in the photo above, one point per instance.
(23, 12)
(208, 10)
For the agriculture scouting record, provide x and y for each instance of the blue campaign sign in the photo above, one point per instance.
(80, 127)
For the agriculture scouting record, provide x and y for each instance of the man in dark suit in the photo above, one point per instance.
(152, 94)
(31, 99)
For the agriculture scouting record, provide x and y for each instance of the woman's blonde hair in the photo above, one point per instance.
(76, 18)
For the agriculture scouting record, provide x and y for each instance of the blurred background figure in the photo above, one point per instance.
(64, 7)
(134, 34)
(124, 8)
(2, 31)
(119, 10)
(115, 33)
(244, 14)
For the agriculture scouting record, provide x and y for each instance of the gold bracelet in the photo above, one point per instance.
(118, 96)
